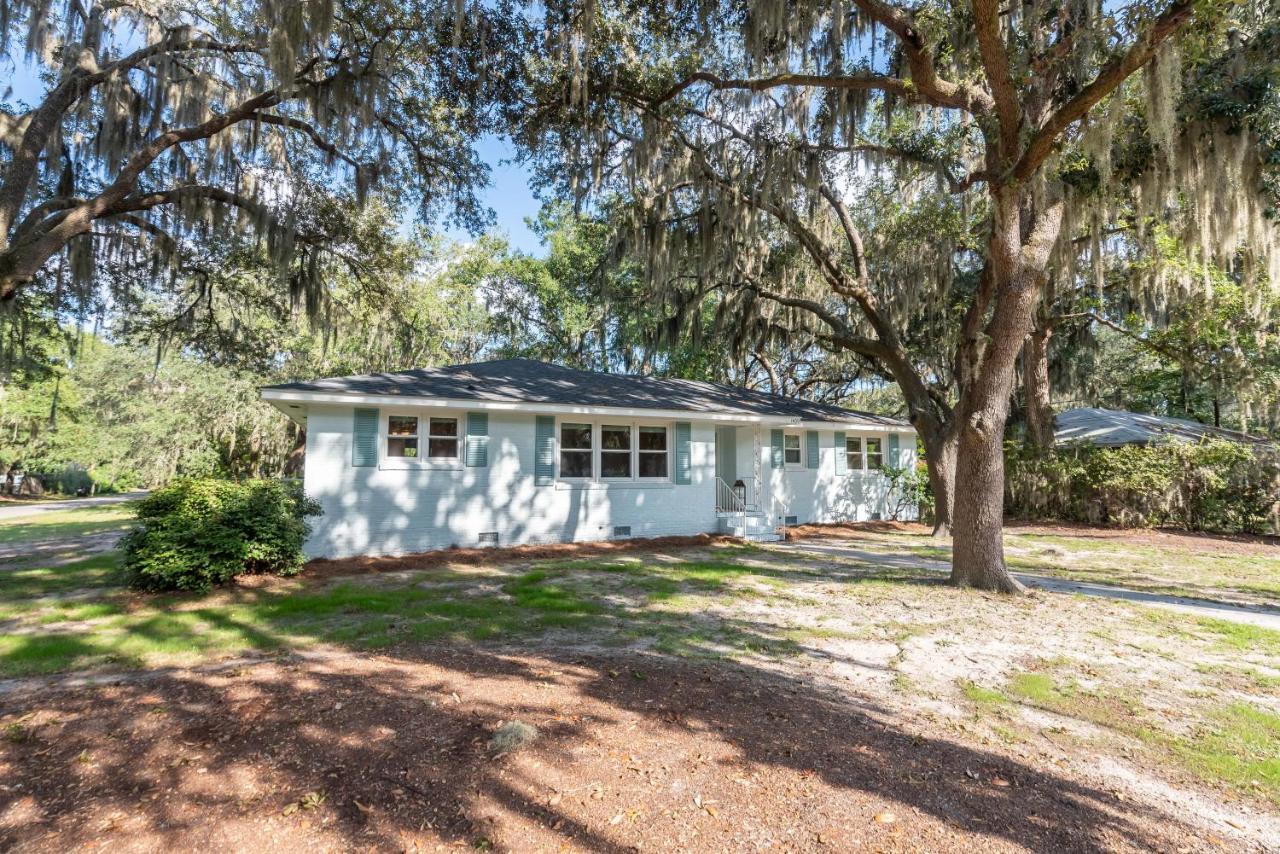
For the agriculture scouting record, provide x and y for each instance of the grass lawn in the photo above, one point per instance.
(1192, 702)
(64, 524)
(1157, 562)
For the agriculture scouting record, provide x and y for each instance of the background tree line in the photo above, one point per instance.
(959, 211)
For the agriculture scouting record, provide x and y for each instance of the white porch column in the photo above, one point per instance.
(761, 496)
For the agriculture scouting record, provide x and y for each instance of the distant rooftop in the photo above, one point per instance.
(530, 381)
(1112, 428)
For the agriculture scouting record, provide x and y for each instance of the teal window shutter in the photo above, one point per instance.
(842, 461)
(364, 438)
(684, 457)
(477, 439)
(811, 449)
(891, 458)
(544, 450)
(775, 448)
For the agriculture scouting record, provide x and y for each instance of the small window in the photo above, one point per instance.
(575, 450)
(791, 449)
(402, 436)
(653, 452)
(875, 454)
(615, 451)
(442, 441)
(853, 453)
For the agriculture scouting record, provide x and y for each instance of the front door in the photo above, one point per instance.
(727, 454)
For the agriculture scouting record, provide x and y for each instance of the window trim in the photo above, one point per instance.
(866, 452)
(861, 467)
(798, 465)
(593, 451)
(670, 430)
(634, 425)
(422, 461)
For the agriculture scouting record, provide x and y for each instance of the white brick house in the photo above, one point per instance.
(517, 451)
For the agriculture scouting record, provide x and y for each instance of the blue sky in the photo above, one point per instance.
(508, 193)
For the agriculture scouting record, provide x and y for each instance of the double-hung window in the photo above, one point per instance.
(653, 452)
(575, 451)
(875, 454)
(442, 438)
(611, 452)
(853, 452)
(791, 449)
(402, 436)
(615, 451)
(406, 433)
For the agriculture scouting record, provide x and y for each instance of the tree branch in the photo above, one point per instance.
(1115, 72)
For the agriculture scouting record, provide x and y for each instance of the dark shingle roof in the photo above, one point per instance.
(508, 380)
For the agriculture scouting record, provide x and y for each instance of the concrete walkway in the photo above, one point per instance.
(23, 509)
(1267, 618)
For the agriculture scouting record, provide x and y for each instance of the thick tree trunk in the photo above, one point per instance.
(940, 455)
(1035, 384)
(1016, 265)
(977, 552)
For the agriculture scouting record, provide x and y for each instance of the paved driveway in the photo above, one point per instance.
(1268, 618)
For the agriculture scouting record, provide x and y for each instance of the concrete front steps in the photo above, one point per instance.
(750, 526)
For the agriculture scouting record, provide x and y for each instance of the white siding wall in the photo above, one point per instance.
(373, 510)
(820, 495)
(382, 511)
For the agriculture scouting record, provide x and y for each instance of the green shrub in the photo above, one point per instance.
(201, 532)
(1212, 486)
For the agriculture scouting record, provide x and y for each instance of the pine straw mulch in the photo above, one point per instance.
(635, 753)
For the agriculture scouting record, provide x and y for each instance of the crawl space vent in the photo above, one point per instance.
(489, 538)
(621, 531)
(791, 520)
(875, 517)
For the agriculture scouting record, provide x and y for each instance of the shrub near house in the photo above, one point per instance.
(194, 534)
(1210, 486)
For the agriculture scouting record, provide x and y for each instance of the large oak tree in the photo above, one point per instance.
(163, 122)
(732, 123)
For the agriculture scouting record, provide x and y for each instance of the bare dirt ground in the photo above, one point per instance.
(718, 699)
(635, 753)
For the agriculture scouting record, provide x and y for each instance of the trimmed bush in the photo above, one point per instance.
(1212, 486)
(197, 533)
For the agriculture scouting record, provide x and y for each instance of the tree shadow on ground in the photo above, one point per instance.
(637, 748)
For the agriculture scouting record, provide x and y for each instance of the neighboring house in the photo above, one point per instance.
(1111, 428)
(518, 451)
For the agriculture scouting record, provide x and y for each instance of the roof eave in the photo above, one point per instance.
(280, 398)
(856, 424)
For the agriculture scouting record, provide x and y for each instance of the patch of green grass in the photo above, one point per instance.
(1193, 568)
(1241, 635)
(100, 571)
(1249, 680)
(65, 524)
(1239, 746)
(1037, 688)
(373, 612)
(980, 696)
